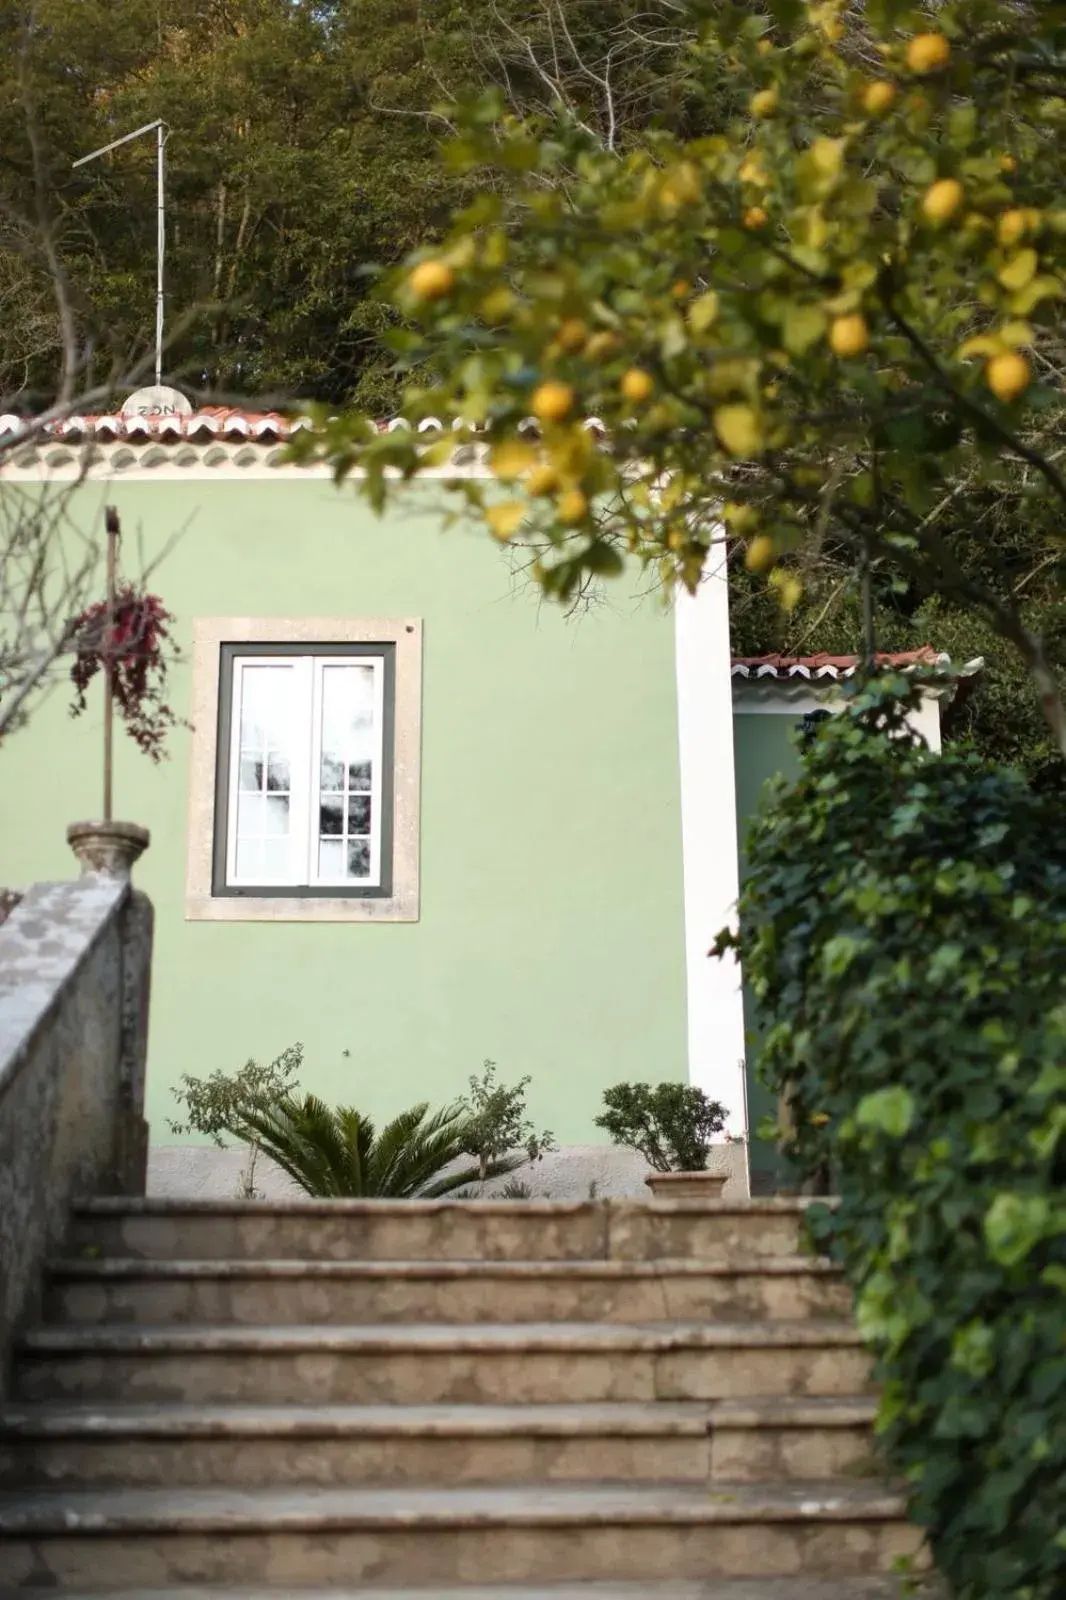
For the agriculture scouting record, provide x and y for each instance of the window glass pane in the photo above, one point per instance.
(332, 776)
(269, 718)
(359, 813)
(278, 772)
(358, 858)
(249, 859)
(348, 733)
(359, 775)
(276, 819)
(251, 818)
(331, 814)
(331, 858)
(275, 861)
(266, 708)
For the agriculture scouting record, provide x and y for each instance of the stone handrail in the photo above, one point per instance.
(75, 964)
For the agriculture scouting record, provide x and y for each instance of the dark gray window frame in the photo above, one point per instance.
(296, 891)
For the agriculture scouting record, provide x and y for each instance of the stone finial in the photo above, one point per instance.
(110, 848)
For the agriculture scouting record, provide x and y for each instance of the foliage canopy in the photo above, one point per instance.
(832, 328)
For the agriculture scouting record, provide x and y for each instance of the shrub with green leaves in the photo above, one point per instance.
(903, 930)
(670, 1124)
(497, 1124)
(336, 1152)
(213, 1104)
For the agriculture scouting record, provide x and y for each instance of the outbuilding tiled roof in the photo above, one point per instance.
(782, 669)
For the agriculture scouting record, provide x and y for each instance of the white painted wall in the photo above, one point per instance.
(751, 700)
(709, 834)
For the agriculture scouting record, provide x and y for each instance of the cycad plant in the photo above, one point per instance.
(335, 1152)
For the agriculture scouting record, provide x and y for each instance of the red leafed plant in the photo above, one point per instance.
(133, 653)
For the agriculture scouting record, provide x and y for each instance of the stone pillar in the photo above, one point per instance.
(110, 849)
(131, 1134)
(107, 847)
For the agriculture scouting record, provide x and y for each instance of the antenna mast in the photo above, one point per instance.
(159, 128)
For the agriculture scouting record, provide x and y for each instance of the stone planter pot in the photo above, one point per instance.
(110, 848)
(686, 1185)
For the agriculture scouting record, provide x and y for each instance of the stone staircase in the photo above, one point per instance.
(385, 1400)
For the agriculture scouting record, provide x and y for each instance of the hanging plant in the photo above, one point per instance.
(132, 651)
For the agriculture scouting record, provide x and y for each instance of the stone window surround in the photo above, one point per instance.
(209, 634)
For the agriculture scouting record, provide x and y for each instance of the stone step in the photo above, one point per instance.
(784, 1439)
(710, 1589)
(292, 1538)
(124, 1289)
(438, 1230)
(485, 1363)
(262, 1446)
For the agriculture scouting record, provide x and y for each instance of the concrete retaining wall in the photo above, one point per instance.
(75, 960)
(204, 1172)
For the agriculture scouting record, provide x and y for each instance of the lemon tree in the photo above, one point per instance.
(837, 323)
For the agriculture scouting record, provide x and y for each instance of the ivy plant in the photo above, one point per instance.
(903, 931)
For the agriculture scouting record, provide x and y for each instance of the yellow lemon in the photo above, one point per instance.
(497, 304)
(755, 217)
(879, 97)
(637, 385)
(760, 554)
(431, 280)
(1008, 375)
(765, 103)
(572, 335)
(505, 518)
(741, 518)
(942, 199)
(928, 52)
(752, 170)
(1007, 163)
(1011, 226)
(542, 480)
(764, 46)
(601, 344)
(849, 336)
(739, 429)
(572, 506)
(553, 402)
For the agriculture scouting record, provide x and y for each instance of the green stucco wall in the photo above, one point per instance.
(551, 934)
(762, 748)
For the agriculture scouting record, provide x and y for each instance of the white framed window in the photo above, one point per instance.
(306, 782)
(305, 776)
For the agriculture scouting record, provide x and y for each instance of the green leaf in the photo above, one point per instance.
(803, 326)
(889, 1111)
(1015, 1224)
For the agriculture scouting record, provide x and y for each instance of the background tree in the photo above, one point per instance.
(835, 328)
(301, 150)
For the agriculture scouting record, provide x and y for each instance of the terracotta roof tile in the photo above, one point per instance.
(781, 668)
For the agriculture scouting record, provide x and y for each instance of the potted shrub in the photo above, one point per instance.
(671, 1125)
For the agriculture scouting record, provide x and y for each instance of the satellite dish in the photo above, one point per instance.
(158, 400)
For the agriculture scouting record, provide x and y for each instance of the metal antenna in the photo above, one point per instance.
(160, 129)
